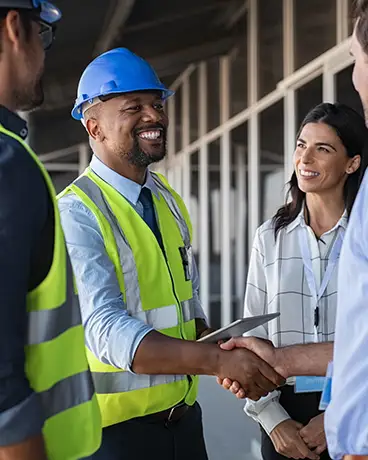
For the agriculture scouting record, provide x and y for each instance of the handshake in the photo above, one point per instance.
(251, 367)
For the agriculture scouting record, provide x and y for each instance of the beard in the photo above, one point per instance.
(30, 96)
(141, 157)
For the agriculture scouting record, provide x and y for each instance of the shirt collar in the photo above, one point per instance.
(300, 221)
(12, 122)
(126, 187)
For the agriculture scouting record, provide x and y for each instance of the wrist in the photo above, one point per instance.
(209, 358)
(282, 362)
(272, 416)
(217, 362)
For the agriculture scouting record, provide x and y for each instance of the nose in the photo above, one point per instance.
(307, 155)
(151, 115)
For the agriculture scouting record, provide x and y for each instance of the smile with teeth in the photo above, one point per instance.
(151, 135)
(304, 173)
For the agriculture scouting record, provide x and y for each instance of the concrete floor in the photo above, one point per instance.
(229, 433)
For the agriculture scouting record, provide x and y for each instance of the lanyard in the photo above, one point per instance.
(307, 261)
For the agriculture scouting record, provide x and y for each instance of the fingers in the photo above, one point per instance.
(229, 345)
(309, 437)
(305, 452)
(239, 342)
(293, 449)
(237, 390)
(255, 392)
(320, 449)
(241, 394)
(235, 387)
(264, 382)
(226, 383)
(313, 440)
(254, 344)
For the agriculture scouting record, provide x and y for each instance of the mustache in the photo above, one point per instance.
(150, 127)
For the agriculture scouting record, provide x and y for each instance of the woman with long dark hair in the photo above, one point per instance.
(293, 270)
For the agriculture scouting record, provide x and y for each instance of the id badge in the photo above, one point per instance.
(306, 384)
(327, 389)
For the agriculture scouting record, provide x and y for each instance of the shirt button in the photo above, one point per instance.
(24, 132)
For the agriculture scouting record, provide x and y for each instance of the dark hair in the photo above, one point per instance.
(26, 17)
(351, 129)
(360, 11)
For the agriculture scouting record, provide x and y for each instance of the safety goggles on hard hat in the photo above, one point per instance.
(49, 12)
(46, 11)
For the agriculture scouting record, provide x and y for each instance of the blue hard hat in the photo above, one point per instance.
(46, 10)
(116, 71)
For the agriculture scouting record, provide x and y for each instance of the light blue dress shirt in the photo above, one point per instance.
(346, 419)
(111, 333)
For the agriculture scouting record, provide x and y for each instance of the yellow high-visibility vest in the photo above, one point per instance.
(156, 288)
(56, 363)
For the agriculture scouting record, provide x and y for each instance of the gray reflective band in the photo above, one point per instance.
(187, 307)
(120, 382)
(67, 393)
(159, 318)
(46, 325)
(174, 208)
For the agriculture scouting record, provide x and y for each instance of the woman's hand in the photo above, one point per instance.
(288, 442)
(313, 434)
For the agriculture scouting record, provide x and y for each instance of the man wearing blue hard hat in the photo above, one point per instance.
(129, 238)
(48, 409)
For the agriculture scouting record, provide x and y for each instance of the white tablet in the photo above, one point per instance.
(238, 328)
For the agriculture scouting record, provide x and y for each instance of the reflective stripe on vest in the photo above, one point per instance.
(119, 382)
(67, 393)
(46, 325)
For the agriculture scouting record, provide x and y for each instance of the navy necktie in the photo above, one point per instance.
(149, 216)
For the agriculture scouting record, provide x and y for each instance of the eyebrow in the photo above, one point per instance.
(319, 144)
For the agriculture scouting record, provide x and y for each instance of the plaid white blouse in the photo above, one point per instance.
(277, 283)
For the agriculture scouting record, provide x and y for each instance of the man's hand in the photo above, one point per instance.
(313, 434)
(254, 375)
(263, 348)
(288, 442)
(232, 386)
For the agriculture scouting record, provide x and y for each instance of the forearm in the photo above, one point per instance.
(159, 354)
(309, 359)
(30, 449)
